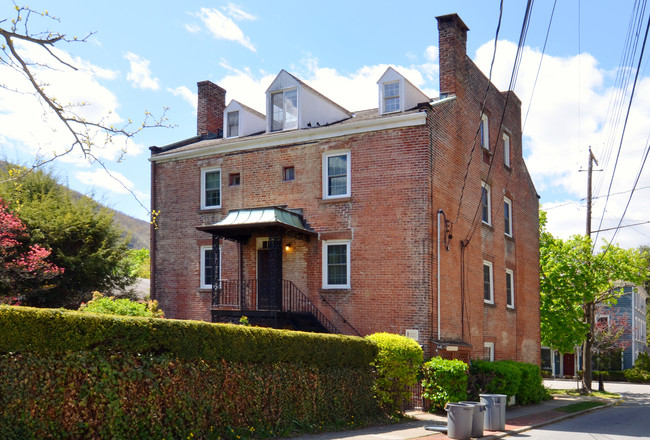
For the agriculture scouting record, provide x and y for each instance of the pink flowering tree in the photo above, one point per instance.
(24, 269)
(611, 336)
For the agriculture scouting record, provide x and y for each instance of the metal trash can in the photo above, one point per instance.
(495, 414)
(459, 420)
(478, 418)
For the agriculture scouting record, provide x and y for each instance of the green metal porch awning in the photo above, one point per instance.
(241, 223)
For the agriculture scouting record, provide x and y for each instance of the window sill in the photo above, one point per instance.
(488, 303)
(210, 209)
(336, 199)
(334, 290)
(487, 225)
(511, 308)
(509, 237)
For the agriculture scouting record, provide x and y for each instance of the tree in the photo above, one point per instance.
(82, 235)
(24, 269)
(611, 336)
(574, 279)
(86, 135)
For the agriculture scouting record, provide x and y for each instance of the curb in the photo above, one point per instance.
(550, 421)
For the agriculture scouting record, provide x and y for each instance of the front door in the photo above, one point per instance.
(264, 291)
(568, 364)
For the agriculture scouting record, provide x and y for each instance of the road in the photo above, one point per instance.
(630, 419)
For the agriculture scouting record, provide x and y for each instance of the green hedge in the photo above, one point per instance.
(398, 362)
(531, 388)
(493, 378)
(74, 375)
(24, 329)
(641, 371)
(101, 395)
(444, 381)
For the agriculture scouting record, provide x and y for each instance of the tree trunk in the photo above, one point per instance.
(589, 341)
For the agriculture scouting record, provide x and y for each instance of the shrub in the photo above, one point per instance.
(531, 388)
(444, 381)
(493, 378)
(643, 362)
(641, 371)
(122, 307)
(397, 364)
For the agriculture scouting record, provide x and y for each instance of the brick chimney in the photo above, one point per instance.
(212, 102)
(452, 50)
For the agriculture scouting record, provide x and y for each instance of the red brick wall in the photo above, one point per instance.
(211, 104)
(400, 178)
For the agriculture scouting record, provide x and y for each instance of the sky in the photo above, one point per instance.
(143, 57)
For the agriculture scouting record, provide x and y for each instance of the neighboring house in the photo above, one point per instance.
(417, 218)
(630, 313)
(628, 316)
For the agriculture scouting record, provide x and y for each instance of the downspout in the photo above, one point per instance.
(438, 274)
(633, 293)
(152, 232)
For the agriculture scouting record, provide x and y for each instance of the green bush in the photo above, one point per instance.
(52, 331)
(531, 388)
(643, 362)
(99, 395)
(397, 364)
(121, 306)
(493, 378)
(444, 381)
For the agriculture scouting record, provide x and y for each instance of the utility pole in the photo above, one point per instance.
(590, 306)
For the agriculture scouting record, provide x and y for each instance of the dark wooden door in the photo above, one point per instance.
(265, 296)
(568, 364)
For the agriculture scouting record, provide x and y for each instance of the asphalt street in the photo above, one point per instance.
(630, 419)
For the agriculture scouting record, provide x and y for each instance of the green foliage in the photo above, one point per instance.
(641, 371)
(493, 378)
(531, 388)
(53, 331)
(82, 235)
(444, 381)
(570, 276)
(94, 394)
(397, 364)
(122, 306)
(139, 263)
(244, 320)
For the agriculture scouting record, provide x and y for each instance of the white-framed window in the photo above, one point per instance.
(336, 264)
(210, 188)
(207, 269)
(488, 282)
(507, 216)
(510, 289)
(488, 348)
(486, 204)
(506, 150)
(485, 132)
(391, 97)
(336, 175)
(232, 124)
(284, 110)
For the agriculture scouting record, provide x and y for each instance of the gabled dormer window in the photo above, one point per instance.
(233, 124)
(391, 97)
(284, 108)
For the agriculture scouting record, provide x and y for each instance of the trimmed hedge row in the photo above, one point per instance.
(507, 377)
(66, 374)
(97, 395)
(444, 381)
(24, 329)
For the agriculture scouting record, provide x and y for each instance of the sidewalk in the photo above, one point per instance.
(518, 419)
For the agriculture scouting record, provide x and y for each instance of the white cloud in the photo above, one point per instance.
(186, 94)
(569, 113)
(238, 13)
(114, 182)
(140, 74)
(30, 125)
(223, 27)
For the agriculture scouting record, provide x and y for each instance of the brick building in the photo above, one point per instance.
(417, 218)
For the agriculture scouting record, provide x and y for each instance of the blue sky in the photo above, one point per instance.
(144, 56)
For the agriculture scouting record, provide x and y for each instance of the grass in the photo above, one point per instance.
(575, 392)
(581, 406)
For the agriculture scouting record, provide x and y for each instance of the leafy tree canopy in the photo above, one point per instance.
(571, 275)
(82, 235)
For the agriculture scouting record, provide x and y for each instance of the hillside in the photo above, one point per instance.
(139, 229)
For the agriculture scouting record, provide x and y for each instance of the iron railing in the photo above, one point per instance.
(244, 295)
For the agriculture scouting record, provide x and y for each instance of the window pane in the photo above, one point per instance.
(233, 124)
(337, 175)
(290, 109)
(289, 173)
(277, 110)
(506, 219)
(487, 283)
(506, 150)
(212, 188)
(391, 97)
(207, 269)
(509, 298)
(337, 260)
(485, 205)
